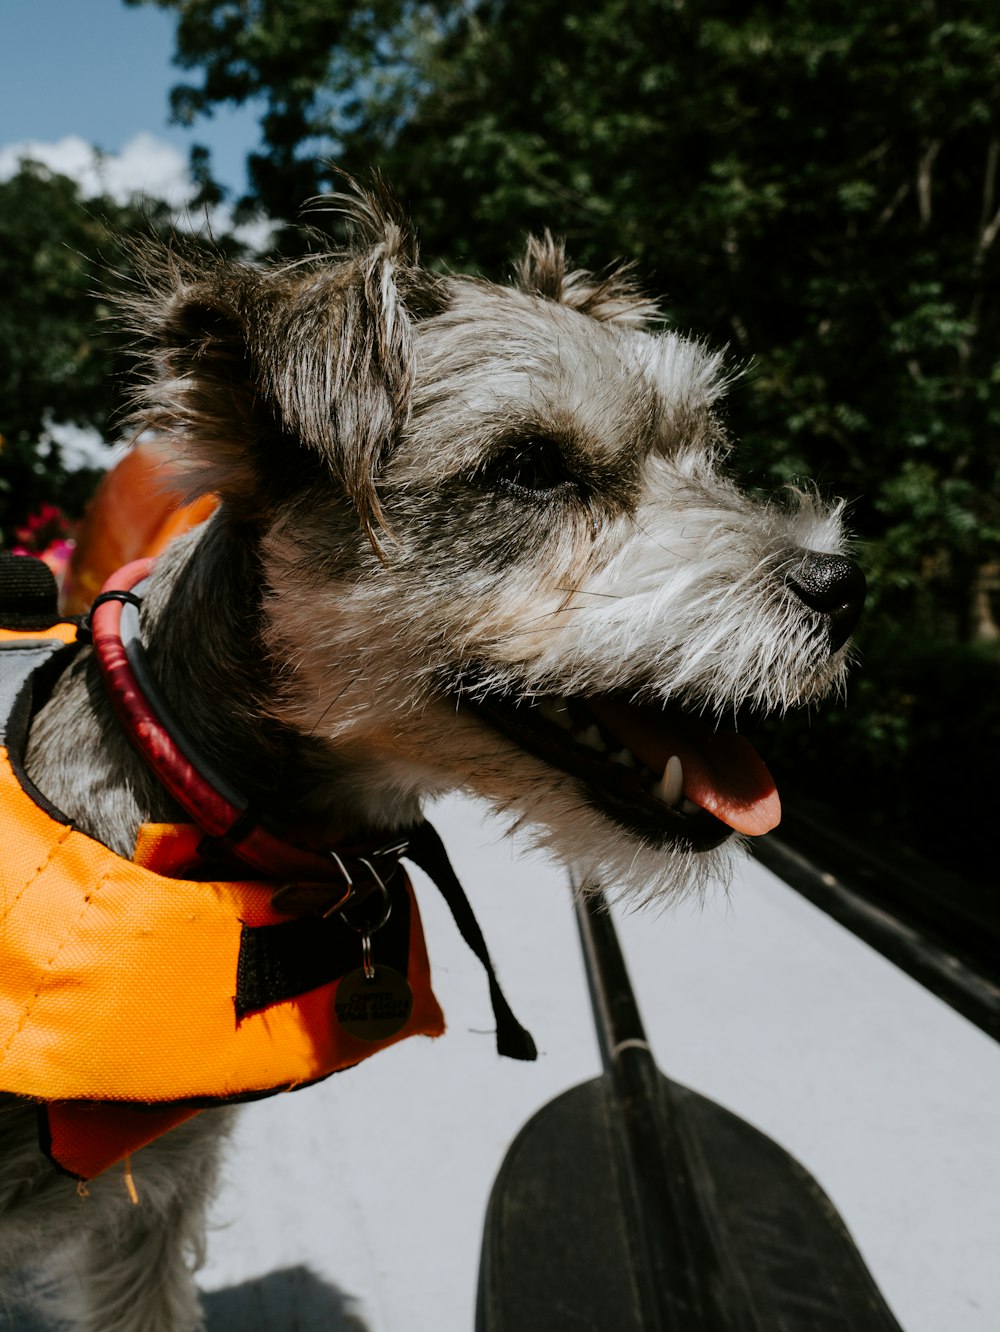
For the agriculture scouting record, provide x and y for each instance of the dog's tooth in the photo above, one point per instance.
(623, 757)
(689, 807)
(670, 787)
(592, 738)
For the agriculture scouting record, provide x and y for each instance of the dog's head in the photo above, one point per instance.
(499, 550)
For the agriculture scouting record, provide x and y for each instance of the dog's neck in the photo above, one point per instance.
(201, 623)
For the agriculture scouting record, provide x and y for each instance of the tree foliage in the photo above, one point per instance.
(63, 258)
(814, 182)
(57, 364)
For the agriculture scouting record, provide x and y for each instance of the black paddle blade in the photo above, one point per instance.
(560, 1251)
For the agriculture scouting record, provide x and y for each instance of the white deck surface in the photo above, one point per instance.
(358, 1204)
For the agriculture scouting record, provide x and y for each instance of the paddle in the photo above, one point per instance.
(633, 1204)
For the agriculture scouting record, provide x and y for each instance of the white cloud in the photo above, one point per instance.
(257, 234)
(79, 446)
(146, 166)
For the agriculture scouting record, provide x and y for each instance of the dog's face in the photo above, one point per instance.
(499, 551)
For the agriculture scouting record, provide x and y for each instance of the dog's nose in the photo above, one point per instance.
(833, 585)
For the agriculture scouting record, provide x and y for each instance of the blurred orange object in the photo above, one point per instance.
(134, 513)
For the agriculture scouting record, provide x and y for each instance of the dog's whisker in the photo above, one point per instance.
(347, 688)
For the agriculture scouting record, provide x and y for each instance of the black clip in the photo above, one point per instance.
(85, 634)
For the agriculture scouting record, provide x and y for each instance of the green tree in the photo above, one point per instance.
(814, 182)
(62, 258)
(55, 365)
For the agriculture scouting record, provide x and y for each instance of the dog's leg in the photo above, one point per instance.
(136, 1265)
(137, 1275)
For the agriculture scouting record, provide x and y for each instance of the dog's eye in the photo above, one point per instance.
(533, 466)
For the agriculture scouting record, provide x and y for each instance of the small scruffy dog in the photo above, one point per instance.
(471, 536)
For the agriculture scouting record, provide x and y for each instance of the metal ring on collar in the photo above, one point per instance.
(371, 927)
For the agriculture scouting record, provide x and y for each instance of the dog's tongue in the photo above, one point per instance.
(723, 773)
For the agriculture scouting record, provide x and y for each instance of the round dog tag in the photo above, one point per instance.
(376, 1008)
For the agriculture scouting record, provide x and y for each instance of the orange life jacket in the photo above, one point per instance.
(132, 996)
(134, 512)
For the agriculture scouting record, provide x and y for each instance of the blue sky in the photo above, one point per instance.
(101, 71)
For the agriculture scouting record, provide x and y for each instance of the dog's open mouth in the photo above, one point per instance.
(666, 774)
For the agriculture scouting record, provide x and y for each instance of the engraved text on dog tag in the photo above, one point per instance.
(376, 1008)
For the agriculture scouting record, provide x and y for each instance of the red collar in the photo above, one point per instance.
(225, 816)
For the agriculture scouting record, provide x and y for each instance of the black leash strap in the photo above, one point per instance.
(426, 850)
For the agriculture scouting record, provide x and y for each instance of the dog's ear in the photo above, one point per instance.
(333, 346)
(247, 361)
(612, 297)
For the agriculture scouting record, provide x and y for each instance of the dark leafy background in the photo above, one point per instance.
(815, 183)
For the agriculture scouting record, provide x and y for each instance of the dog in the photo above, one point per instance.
(471, 536)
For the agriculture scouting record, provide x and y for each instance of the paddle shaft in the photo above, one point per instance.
(683, 1278)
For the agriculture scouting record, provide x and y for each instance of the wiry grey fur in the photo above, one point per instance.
(375, 430)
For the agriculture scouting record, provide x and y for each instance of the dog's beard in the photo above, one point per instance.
(593, 782)
(631, 871)
(598, 853)
(382, 780)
